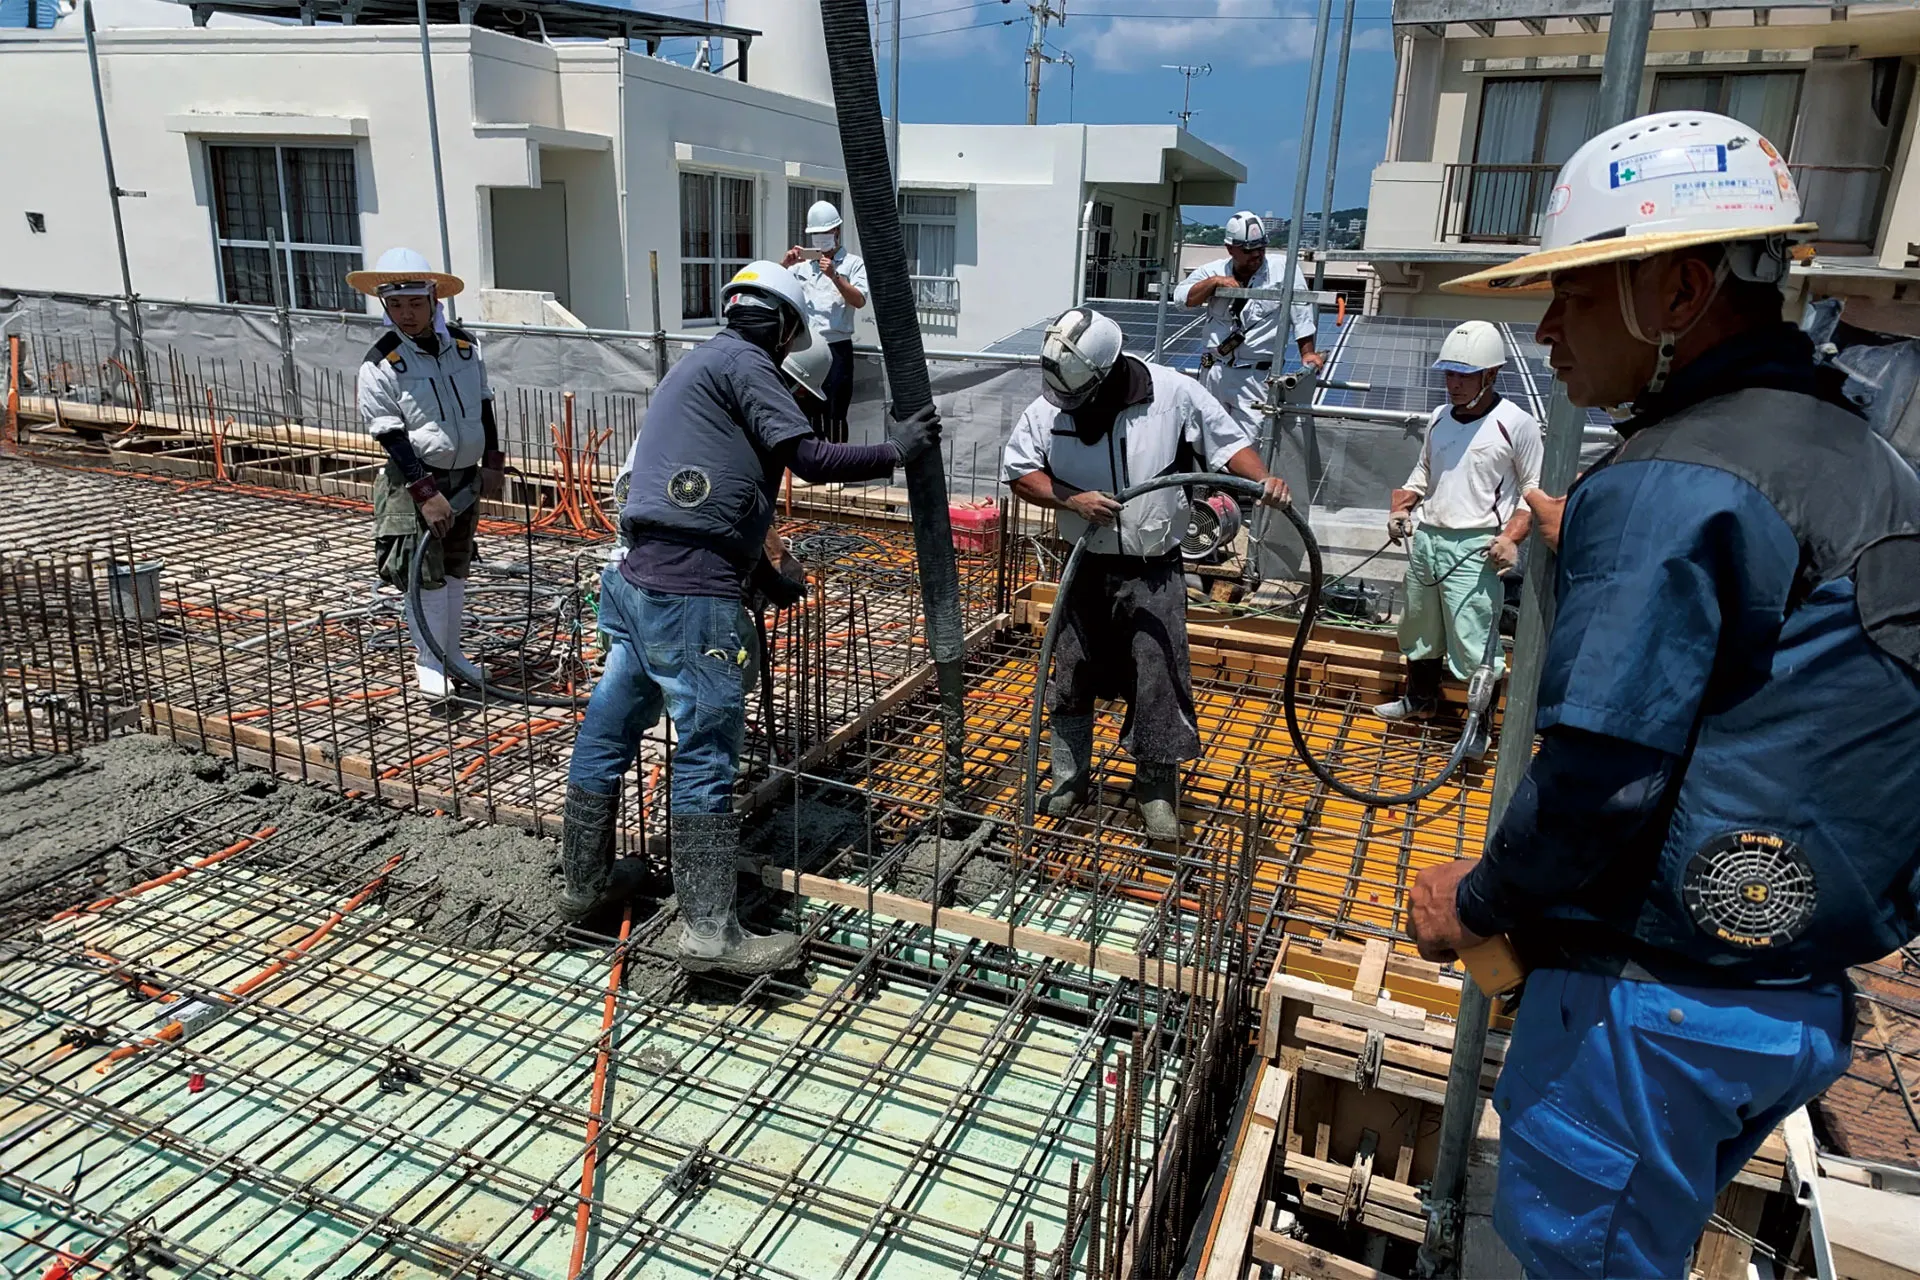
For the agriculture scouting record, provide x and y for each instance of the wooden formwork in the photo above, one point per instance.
(1355, 1046)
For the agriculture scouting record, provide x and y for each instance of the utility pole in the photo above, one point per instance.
(1566, 426)
(1042, 14)
(1186, 94)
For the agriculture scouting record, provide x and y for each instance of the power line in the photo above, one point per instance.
(978, 26)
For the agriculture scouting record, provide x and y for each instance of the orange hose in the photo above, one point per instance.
(237, 846)
(174, 1030)
(583, 1221)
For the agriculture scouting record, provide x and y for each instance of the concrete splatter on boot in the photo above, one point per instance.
(705, 846)
(586, 851)
(1070, 764)
(1156, 790)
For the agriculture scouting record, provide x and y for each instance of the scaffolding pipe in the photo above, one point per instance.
(1566, 430)
(114, 193)
(1333, 143)
(856, 93)
(433, 137)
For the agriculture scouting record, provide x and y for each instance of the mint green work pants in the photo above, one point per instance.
(1453, 599)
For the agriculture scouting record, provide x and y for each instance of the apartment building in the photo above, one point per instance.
(1493, 96)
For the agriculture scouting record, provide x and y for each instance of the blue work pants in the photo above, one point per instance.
(686, 655)
(1626, 1106)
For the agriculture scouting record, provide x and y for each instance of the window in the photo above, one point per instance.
(1148, 254)
(799, 200)
(1100, 252)
(1528, 129)
(302, 202)
(928, 222)
(1764, 100)
(716, 239)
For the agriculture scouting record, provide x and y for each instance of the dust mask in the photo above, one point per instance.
(821, 239)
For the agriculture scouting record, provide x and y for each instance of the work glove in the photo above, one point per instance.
(914, 435)
(437, 513)
(780, 589)
(1502, 554)
(1400, 526)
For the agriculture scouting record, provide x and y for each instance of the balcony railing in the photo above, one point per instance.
(936, 293)
(1495, 203)
(1845, 199)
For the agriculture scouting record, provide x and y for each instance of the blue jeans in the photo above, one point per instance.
(683, 654)
(1626, 1106)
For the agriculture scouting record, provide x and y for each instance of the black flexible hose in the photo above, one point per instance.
(863, 143)
(1290, 688)
(455, 664)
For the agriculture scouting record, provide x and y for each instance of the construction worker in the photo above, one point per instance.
(424, 398)
(1243, 336)
(1480, 457)
(1721, 817)
(721, 431)
(836, 286)
(1103, 418)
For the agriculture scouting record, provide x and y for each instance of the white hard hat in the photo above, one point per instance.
(770, 284)
(1078, 351)
(809, 367)
(1473, 347)
(404, 271)
(1663, 182)
(822, 216)
(1246, 231)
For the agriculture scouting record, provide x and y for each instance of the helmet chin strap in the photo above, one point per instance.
(1666, 340)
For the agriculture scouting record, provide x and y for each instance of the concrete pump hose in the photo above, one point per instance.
(1290, 690)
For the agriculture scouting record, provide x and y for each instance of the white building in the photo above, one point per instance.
(1493, 95)
(567, 162)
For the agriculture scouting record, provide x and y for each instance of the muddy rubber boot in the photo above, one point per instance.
(1070, 765)
(1421, 701)
(705, 846)
(1156, 790)
(586, 851)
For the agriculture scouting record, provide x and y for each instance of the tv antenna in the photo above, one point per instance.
(1186, 111)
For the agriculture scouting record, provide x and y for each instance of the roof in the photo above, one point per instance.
(1873, 1111)
(532, 19)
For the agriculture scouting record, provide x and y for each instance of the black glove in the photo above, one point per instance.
(779, 591)
(914, 435)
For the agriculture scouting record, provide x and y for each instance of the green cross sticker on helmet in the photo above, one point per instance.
(1075, 356)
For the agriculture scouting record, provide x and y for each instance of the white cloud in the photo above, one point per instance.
(1225, 37)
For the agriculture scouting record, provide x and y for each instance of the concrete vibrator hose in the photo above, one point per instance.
(1479, 689)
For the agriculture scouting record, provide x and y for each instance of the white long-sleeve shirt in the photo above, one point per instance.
(1472, 475)
(1260, 318)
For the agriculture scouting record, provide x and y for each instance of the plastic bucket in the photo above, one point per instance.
(976, 526)
(136, 590)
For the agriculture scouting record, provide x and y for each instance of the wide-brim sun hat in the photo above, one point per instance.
(402, 267)
(1669, 181)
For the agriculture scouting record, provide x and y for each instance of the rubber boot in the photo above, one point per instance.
(1070, 761)
(453, 618)
(428, 673)
(705, 846)
(1156, 790)
(586, 851)
(1421, 701)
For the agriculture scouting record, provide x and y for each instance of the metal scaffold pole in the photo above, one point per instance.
(433, 136)
(114, 193)
(1340, 61)
(1566, 426)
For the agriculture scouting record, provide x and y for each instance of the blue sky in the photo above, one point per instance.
(963, 61)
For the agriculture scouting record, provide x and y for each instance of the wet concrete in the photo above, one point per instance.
(61, 818)
(971, 878)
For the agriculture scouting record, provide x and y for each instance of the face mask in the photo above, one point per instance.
(821, 239)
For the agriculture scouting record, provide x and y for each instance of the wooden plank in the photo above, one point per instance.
(1383, 1191)
(1114, 962)
(1373, 968)
(1722, 1255)
(1302, 1259)
(1247, 1188)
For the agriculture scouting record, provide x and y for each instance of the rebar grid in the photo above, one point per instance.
(374, 1099)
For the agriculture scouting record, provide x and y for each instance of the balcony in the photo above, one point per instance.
(939, 294)
(1494, 203)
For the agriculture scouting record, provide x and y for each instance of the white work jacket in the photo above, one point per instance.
(1472, 475)
(1145, 442)
(435, 399)
(828, 312)
(1260, 318)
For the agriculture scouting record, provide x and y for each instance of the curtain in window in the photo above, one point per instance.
(1686, 93)
(736, 221)
(246, 192)
(1509, 121)
(1571, 104)
(1767, 102)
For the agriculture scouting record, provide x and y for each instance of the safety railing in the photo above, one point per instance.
(936, 293)
(1494, 203)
